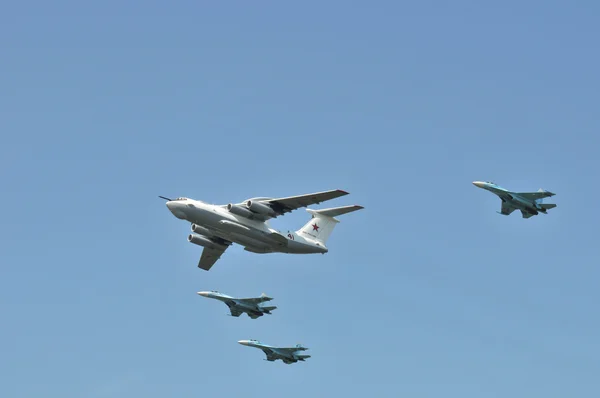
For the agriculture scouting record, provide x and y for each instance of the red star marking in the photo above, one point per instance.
(315, 227)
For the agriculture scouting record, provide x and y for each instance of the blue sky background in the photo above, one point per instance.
(425, 293)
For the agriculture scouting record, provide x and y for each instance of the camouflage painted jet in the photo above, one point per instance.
(529, 203)
(287, 354)
(251, 306)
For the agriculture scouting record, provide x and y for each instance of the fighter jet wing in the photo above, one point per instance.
(535, 195)
(506, 209)
(256, 300)
(269, 353)
(209, 257)
(291, 203)
(292, 349)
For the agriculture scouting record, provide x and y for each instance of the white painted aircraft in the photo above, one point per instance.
(216, 227)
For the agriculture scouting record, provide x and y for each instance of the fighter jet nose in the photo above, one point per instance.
(205, 294)
(243, 342)
(478, 184)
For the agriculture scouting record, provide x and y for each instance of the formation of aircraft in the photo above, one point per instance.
(529, 203)
(253, 306)
(287, 354)
(216, 227)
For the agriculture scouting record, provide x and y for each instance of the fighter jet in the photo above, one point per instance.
(287, 354)
(217, 227)
(529, 203)
(251, 306)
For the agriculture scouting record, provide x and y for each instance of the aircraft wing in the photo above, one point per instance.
(506, 209)
(256, 300)
(271, 356)
(209, 257)
(535, 195)
(292, 349)
(291, 203)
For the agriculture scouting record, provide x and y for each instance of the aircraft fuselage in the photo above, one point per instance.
(513, 199)
(255, 235)
(275, 353)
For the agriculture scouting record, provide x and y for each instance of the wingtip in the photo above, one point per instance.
(343, 192)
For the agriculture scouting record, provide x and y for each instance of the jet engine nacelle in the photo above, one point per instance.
(260, 208)
(240, 211)
(205, 242)
(201, 230)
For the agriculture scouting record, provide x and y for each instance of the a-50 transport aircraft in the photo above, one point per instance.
(216, 227)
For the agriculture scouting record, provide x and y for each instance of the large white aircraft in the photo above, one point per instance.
(216, 227)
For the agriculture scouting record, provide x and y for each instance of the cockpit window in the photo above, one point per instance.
(181, 198)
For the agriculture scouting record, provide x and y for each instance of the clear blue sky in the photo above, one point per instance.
(425, 293)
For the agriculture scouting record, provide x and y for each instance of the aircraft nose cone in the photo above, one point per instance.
(243, 342)
(478, 184)
(176, 209)
(205, 294)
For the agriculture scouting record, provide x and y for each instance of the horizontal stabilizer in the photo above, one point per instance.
(336, 211)
(547, 206)
(268, 308)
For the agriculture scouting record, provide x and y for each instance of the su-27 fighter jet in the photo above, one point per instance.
(529, 203)
(251, 306)
(287, 354)
(216, 227)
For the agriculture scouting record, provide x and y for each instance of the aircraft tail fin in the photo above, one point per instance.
(265, 296)
(540, 200)
(547, 194)
(323, 222)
